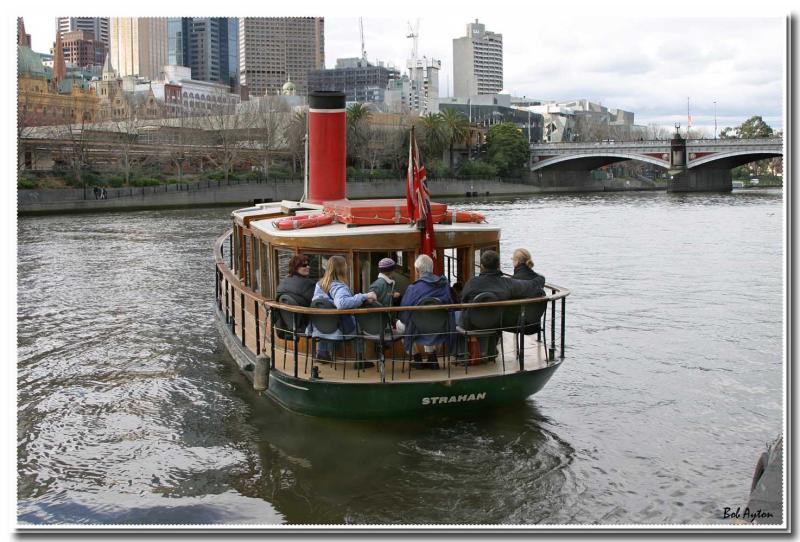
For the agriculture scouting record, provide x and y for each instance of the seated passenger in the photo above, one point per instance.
(384, 289)
(384, 286)
(297, 284)
(333, 286)
(427, 285)
(491, 279)
(523, 269)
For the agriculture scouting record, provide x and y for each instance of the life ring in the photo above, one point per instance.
(452, 217)
(303, 221)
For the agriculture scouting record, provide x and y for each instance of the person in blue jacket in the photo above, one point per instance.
(428, 284)
(334, 286)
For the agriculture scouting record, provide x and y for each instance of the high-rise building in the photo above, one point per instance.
(424, 76)
(274, 49)
(207, 45)
(139, 45)
(177, 33)
(81, 49)
(477, 62)
(360, 80)
(99, 26)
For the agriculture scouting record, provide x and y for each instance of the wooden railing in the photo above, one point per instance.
(236, 302)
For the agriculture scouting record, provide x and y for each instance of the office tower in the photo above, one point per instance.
(99, 26)
(477, 62)
(139, 45)
(81, 49)
(273, 50)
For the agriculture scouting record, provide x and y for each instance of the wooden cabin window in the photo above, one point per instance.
(256, 264)
(368, 268)
(266, 291)
(236, 249)
(477, 258)
(281, 263)
(248, 257)
(454, 265)
(318, 261)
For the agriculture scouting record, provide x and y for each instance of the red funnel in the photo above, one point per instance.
(327, 147)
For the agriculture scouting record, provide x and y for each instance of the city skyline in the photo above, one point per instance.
(648, 66)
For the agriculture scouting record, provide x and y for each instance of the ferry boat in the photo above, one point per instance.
(278, 356)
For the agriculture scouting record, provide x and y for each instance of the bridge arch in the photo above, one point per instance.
(737, 158)
(611, 156)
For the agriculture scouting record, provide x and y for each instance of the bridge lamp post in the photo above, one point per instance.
(715, 119)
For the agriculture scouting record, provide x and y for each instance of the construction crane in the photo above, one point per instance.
(363, 49)
(414, 35)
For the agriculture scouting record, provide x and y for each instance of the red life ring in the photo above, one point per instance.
(452, 217)
(303, 221)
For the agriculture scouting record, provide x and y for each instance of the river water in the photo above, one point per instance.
(130, 410)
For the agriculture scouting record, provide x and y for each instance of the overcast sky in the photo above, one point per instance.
(645, 65)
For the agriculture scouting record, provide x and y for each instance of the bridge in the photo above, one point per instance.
(694, 164)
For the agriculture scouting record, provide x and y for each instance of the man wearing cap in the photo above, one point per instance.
(384, 285)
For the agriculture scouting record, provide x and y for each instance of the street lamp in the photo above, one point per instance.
(715, 119)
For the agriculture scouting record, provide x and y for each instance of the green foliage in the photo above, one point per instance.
(145, 182)
(435, 169)
(24, 183)
(280, 172)
(751, 128)
(507, 148)
(477, 169)
(357, 174)
(433, 137)
(456, 127)
(115, 182)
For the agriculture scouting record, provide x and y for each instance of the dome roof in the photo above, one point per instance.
(289, 87)
(29, 63)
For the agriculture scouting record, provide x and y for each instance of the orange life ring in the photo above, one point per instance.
(452, 217)
(303, 221)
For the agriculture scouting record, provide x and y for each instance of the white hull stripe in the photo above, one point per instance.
(290, 385)
(327, 110)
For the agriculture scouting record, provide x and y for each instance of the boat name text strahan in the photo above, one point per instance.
(454, 398)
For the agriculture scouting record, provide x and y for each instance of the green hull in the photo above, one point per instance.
(376, 400)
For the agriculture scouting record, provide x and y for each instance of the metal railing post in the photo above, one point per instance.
(553, 329)
(233, 309)
(227, 304)
(272, 337)
(521, 339)
(258, 331)
(243, 320)
(563, 323)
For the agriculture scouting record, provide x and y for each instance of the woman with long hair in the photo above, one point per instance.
(335, 286)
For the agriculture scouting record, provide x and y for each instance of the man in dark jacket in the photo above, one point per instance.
(491, 279)
(427, 285)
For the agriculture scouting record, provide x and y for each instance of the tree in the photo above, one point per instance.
(754, 127)
(751, 128)
(126, 133)
(433, 138)
(507, 148)
(267, 126)
(75, 137)
(358, 132)
(457, 129)
(227, 127)
(296, 138)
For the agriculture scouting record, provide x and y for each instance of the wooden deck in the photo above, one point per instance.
(344, 370)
